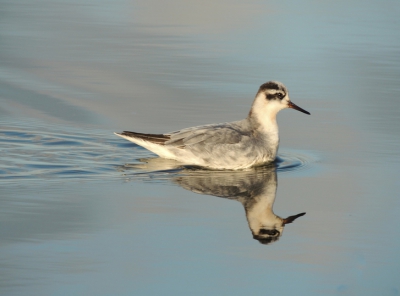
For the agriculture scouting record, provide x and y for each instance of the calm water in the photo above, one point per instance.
(83, 212)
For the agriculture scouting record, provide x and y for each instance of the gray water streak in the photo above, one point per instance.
(19, 98)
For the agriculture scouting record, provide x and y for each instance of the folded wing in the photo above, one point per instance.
(211, 134)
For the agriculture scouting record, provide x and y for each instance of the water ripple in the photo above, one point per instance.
(294, 161)
(29, 154)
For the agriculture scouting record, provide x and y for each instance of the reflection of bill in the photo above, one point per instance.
(255, 189)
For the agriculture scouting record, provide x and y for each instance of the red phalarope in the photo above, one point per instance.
(233, 145)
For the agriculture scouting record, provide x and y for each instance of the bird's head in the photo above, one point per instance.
(272, 97)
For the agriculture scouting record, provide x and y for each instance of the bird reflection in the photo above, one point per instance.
(255, 189)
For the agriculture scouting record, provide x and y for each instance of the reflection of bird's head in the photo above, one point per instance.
(267, 234)
(255, 189)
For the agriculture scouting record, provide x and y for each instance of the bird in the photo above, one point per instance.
(236, 145)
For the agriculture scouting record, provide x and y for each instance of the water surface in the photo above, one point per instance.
(84, 212)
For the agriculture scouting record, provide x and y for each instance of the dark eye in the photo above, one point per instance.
(269, 231)
(280, 95)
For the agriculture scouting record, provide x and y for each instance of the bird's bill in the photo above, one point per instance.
(294, 106)
(290, 219)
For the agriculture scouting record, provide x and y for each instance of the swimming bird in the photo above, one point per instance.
(234, 145)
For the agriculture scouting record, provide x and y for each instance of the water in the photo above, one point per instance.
(84, 212)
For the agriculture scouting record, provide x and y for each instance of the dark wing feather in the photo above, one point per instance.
(153, 138)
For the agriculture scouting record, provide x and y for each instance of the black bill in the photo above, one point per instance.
(294, 106)
(290, 219)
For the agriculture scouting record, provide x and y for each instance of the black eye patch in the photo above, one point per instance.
(275, 96)
(269, 231)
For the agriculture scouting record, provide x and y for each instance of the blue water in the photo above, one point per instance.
(83, 212)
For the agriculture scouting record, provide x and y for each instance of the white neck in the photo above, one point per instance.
(264, 114)
(263, 119)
